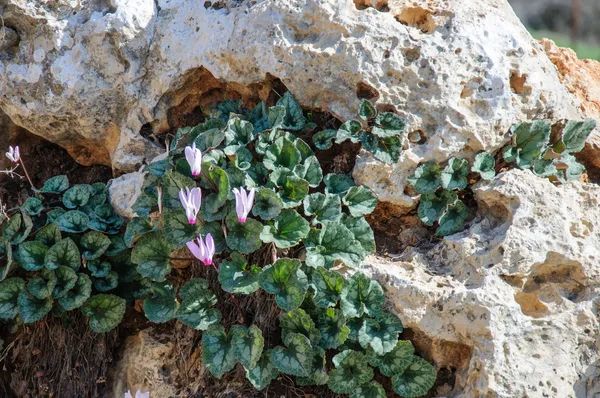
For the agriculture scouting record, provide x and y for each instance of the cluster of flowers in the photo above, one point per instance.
(191, 200)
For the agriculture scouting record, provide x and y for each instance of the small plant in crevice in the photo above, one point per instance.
(534, 146)
(249, 198)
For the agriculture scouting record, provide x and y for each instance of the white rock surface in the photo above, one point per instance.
(511, 302)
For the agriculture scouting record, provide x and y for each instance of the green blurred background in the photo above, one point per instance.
(569, 23)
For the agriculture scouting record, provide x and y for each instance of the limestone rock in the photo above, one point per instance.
(509, 302)
(124, 191)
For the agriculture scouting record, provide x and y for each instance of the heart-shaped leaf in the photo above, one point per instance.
(247, 344)
(294, 118)
(31, 308)
(351, 370)
(530, 140)
(286, 281)
(327, 285)
(195, 310)
(17, 228)
(144, 204)
(210, 138)
(319, 374)
(151, 254)
(334, 332)
(267, 204)
(361, 295)
(388, 124)
(394, 362)
(371, 389)
(9, 294)
(310, 170)
(568, 168)
(65, 281)
(239, 132)
(217, 351)
(386, 149)
(454, 175)
(105, 312)
(338, 184)
(484, 165)
(49, 235)
(298, 321)
(177, 229)
(433, 205)
(77, 196)
(263, 373)
(360, 201)
(99, 269)
(94, 244)
(78, 295)
(350, 130)
(107, 283)
(236, 276)
(42, 286)
(286, 230)
(332, 243)
(575, 134)
(416, 380)
(324, 139)
(56, 184)
(136, 228)
(291, 189)
(31, 255)
(33, 206)
(427, 178)
(116, 246)
(453, 219)
(362, 232)
(229, 107)
(62, 253)
(243, 237)
(296, 359)
(162, 306)
(380, 334)
(366, 110)
(73, 221)
(324, 207)
(282, 153)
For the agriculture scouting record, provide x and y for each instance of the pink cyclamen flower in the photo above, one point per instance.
(243, 203)
(138, 394)
(194, 158)
(191, 202)
(203, 251)
(13, 154)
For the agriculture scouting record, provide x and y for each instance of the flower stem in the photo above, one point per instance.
(26, 173)
(239, 308)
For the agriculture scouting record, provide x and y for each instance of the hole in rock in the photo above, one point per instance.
(417, 17)
(366, 91)
(517, 82)
(379, 5)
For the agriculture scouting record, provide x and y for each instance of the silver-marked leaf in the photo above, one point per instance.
(9, 294)
(42, 286)
(319, 375)
(433, 205)
(217, 351)
(263, 373)
(454, 175)
(286, 230)
(116, 246)
(366, 110)
(361, 295)
(350, 130)
(267, 204)
(56, 184)
(385, 149)
(453, 219)
(151, 254)
(162, 305)
(177, 229)
(107, 283)
(351, 370)
(332, 325)
(94, 244)
(78, 295)
(73, 221)
(49, 235)
(388, 124)
(484, 165)
(360, 201)
(310, 170)
(62, 253)
(243, 237)
(324, 139)
(296, 359)
(328, 285)
(362, 232)
(298, 321)
(427, 178)
(31, 308)
(338, 184)
(77, 196)
(30, 255)
(33, 206)
(195, 310)
(99, 269)
(286, 281)
(380, 334)
(238, 132)
(291, 189)
(324, 207)
(332, 243)
(236, 276)
(282, 153)
(65, 281)
(136, 228)
(394, 362)
(416, 380)
(18, 228)
(371, 389)
(247, 344)
(294, 118)
(530, 140)
(575, 134)
(105, 312)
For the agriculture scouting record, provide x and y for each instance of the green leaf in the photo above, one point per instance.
(296, 359)
(195, 310)
(94, 245)
(160, 167)
(177, 229)
(105, 312)
(350, 130)
(388, 124)
(323, 207)
(416, 380)
(162, 306)
(42, 286)
(78, 295)
(395, 361)
(65, 281)
(213, 208)
(327, 285)
(216, 231)
(324, 139)
(77, 196)
(214, 177)
(173, 182)
(544, 168)
(361, 295)
(291, 188)
(49, 235)
(282, 153)
(217, 351)
(310, 170)
(144, 204)
(334, 332)
(294, 118)
(116, 246)
(338, 184)
(386, 149)
(509, 154)
(453, 219)
(368, 390)
(33, 206)
(263, 373)
(243, 237)
(32, 309)
(230, 106)
(73, 221)
(9, 294)
(568, 168)
(287, 230)
(99, 269)
(298, 321)
(360, 201)
(136, 228)
(484, 165)
(151, 254)
(433, 205)
(286, 281)
(362, 232)
(31, 255)
(332, 243)
(57, 184)
(319, 375)
(267, 204)
(247, 344)
(210, 138)
(351, 370)
(454, 175)
(18, 228)
(427, 178)
(366, 110)
(239, 132)
(107, 283)
(380, 334)
(179, 135)
(575, 134)
(531, 139)
(63, 253)
(237, 277)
